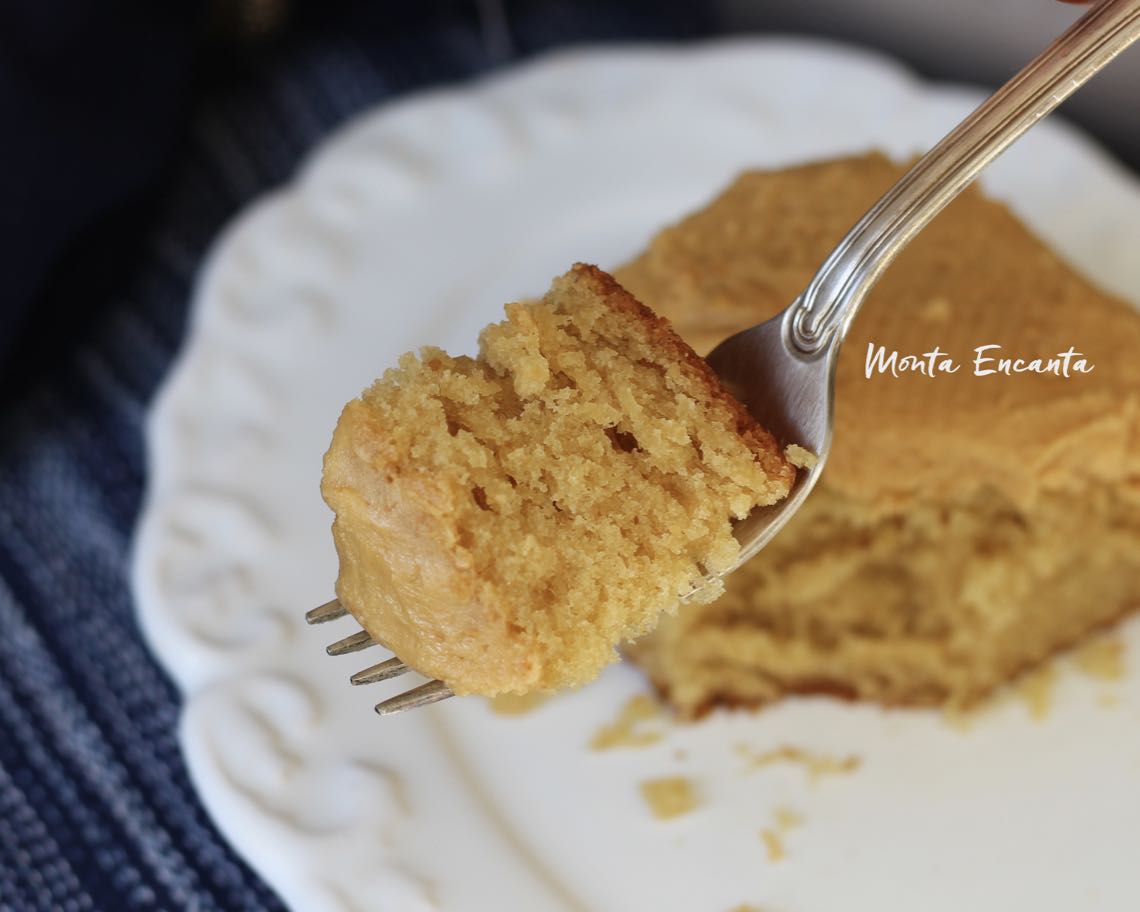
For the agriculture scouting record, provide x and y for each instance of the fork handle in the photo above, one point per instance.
(823, 313)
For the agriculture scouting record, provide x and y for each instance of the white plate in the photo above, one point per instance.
(413, 225)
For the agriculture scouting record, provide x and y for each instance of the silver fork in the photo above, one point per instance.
(783, 370)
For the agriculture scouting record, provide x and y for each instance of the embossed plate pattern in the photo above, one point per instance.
(413, 225)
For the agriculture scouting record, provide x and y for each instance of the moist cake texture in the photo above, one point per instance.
(965, 527)
(504, 522)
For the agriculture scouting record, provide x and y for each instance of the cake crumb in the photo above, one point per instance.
(799, 457)
(1102, 658)
(745, 907)
(815, 765)
(787, 819)
(774, 844)
(625, 731)
(670, 797)
(1108, 700)
(517, 704)
(1035, 690)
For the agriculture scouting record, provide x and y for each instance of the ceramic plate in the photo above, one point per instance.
(413, 225)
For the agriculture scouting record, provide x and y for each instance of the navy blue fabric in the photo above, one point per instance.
(96, 811)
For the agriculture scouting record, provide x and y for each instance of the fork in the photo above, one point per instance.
(783, 370)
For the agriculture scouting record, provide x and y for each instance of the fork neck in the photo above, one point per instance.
(822, 315)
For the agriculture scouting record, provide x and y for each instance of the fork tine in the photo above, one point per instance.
(425, 694)
(329, 611)
(380, 672)
(362, 639)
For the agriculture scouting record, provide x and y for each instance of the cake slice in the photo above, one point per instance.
(966, 527)
(504, 522)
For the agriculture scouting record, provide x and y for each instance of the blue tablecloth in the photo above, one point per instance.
(96, 811)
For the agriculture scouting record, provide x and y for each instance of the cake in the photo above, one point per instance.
(967, 526)
(503, 522)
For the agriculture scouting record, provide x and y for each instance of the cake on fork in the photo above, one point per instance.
(503, 522)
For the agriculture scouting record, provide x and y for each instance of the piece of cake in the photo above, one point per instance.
(504, 522)
(966, 527)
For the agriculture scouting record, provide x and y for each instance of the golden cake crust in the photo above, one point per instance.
(763, 444)
(975, 276)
